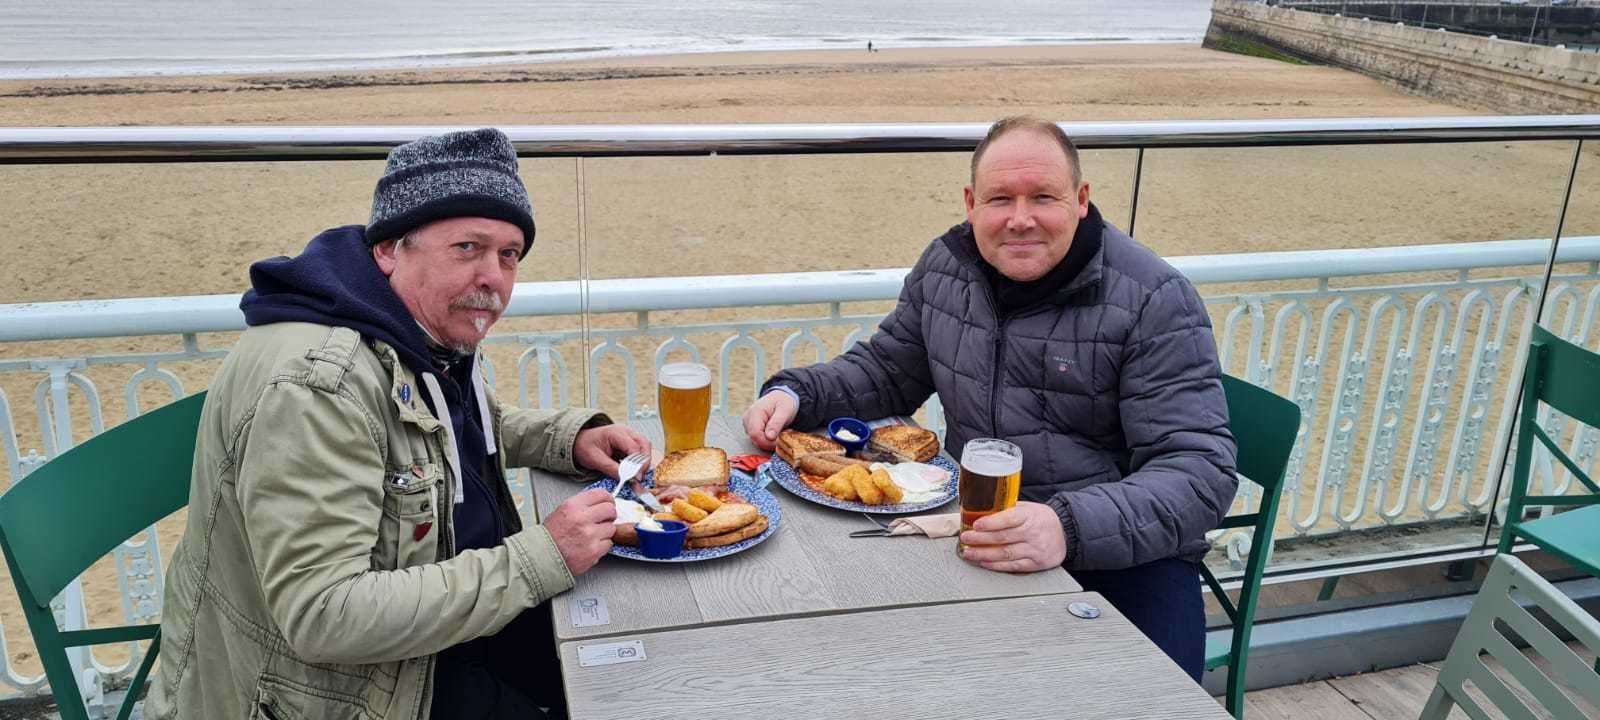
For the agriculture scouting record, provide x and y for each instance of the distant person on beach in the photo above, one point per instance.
(352, 547)
(869, 46)
(1038, 322)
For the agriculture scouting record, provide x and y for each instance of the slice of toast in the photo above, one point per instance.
(794, 445)
(693, 468)
(904, 443)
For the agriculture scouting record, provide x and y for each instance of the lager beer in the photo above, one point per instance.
(684, 395)
(991, 476)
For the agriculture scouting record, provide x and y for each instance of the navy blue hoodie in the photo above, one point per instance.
(335, 281)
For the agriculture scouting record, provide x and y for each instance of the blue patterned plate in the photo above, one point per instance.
(784, 474)
(758, 496)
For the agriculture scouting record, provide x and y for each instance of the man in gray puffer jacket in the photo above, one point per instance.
(1038, 322)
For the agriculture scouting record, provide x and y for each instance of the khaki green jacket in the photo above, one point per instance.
(318, 575)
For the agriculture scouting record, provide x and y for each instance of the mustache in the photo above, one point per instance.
(478, 300)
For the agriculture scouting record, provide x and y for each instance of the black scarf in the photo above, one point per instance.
(1012, 296)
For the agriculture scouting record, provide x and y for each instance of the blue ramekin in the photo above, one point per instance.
(663, 544)
(856, 427)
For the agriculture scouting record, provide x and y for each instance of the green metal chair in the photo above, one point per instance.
(69, 513)
(1496, 606)
(1567, 378)
(1265, 426)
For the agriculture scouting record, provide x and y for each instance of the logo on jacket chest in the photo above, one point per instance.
(1063, 364)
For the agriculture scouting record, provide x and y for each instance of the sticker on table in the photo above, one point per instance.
(611, 653)
(589, 611)
(1083, 610)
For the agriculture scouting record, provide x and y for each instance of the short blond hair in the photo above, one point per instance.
(1015, 123)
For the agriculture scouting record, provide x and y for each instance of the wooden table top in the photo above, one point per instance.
(1004, 658)
(809, 566)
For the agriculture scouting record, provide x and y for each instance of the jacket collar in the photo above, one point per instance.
(964, 246)
(404, 390)
(1091, 273)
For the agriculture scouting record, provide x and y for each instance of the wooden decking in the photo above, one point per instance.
(1396, 694)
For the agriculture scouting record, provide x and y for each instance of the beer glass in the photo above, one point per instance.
(684, 395)
(991, 476)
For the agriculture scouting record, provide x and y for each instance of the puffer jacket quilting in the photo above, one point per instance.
(1112, 389)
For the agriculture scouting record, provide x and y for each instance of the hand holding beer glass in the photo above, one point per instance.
(684, 396)
(991, 477)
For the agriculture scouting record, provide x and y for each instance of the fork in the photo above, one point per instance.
(647, 498)
(627, 469)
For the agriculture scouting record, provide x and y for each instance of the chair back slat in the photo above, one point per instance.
(85, 502)
(1567, 374)
(1498, 603)
(1264, 426)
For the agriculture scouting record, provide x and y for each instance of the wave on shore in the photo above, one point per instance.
(186, 66)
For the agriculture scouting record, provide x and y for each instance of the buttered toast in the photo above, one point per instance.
(693, 468)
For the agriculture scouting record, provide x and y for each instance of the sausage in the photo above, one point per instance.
(826, 465)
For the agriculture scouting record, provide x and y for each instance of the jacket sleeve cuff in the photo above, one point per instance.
(1069, 525)
(558, 454)
(538, 559)
(785, 389)
(785, 382)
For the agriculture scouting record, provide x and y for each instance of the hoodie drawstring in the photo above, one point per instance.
(483, 406)
(437, 393)
(452, 454)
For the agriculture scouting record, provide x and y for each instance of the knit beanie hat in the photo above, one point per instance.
(472, 173)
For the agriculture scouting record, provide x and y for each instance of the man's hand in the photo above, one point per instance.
(600, 448)
(1025, 538)
(582, 528)
(768, 416)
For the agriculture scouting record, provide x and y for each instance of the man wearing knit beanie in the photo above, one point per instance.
(360, 552)
(463, 174)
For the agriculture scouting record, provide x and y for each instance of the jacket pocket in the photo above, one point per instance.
(278, 700)
(271, 703)
(408, 533)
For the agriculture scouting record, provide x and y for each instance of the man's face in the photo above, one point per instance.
(1023, 204)
(455, 276)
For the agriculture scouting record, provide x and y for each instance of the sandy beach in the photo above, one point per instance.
(121, 231)
(79, 231)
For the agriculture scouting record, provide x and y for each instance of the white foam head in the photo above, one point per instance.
(995, 458)
(684, 376)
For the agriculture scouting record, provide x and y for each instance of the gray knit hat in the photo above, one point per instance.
(472, 173)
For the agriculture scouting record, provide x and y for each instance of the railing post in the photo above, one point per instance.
(1255, 371)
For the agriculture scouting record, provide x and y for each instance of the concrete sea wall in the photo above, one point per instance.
(1491, 74)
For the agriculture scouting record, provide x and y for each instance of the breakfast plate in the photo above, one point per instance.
(786, 476)
(756, 495)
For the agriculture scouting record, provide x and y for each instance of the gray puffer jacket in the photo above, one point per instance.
(1111, 388)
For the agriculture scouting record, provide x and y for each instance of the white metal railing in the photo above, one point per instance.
(1443, 343)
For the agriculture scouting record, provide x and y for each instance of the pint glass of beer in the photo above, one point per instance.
(684, 395)
(991, 476)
